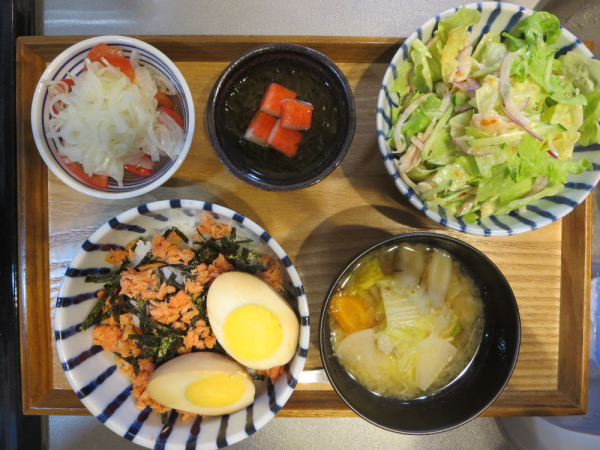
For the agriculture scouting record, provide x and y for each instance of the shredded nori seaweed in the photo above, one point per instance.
(157, 341)
(178, 232)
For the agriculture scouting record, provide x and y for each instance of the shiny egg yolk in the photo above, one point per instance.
(202, 383)
(216, 391)
(253, 332)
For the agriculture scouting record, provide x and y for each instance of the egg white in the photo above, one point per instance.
(168, 383)
(232, 290)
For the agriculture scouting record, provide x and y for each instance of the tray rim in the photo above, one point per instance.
(38, 394)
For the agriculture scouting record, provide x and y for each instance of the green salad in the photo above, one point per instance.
(490, 129)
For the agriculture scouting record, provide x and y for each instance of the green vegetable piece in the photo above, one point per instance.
(456, 329)
(95, 315)
(464, 17)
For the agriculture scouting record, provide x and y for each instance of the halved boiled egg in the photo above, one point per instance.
(252, 321)
(202, 383)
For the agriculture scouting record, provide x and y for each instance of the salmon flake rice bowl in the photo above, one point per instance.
(182, 323)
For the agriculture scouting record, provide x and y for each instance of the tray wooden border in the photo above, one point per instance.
(39, 397)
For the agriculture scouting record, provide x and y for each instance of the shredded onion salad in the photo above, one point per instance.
(103, 121)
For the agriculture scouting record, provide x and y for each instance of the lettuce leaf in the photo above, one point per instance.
(464, 17)
(422, 74)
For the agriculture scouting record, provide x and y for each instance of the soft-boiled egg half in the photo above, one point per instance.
(202, 383)
(252, 321)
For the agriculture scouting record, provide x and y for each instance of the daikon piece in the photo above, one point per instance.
(360, 351)
(387, 260)
(439, 274)
(433, 356)
(410, 263)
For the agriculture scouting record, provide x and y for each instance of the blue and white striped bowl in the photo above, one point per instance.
(495, 16)
(72, 61)
(105, 390)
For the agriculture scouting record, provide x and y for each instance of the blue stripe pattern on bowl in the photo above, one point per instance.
(105, 391)
(131, 182)
(495, 16)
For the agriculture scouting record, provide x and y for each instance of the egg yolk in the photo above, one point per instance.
(253, 332)
(216, 391)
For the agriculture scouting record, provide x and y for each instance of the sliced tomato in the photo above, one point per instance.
(164, 100)
(122, 64)
(70, 83)
(138, 170)
(172, 114)
(99, 181)
(102, 51)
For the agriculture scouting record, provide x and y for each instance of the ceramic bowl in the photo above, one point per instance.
(495, 16)
(325, 69)
(105, 390)
(482, 381)
(72, 61)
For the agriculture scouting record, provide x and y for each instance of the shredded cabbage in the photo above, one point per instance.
(106, 121)
(516, 113)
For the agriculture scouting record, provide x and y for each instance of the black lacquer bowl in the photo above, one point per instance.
(230, 146)
(470, 394)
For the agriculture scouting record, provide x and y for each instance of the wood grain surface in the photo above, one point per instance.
(320, 228)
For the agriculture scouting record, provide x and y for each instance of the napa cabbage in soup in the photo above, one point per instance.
(407, 321)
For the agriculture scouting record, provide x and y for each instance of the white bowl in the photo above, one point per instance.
(72, 61)
(92, 372)
(495, 16)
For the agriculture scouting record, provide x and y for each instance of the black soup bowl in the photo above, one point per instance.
(476, 388)
(236, 97)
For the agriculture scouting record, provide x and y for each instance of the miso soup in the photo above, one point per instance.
(243, 100)
(407, 321)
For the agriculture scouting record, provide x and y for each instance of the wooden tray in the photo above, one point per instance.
(320, 228)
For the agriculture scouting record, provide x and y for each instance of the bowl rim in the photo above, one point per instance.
(474, 229)
(264, 237)
(256, 52)
(38, 132)
(382, 243)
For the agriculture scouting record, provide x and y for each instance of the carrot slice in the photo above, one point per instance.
(271, 102)
(260, 128)
(351, 312)
(164, 100)
(296, 115)
(284, 140)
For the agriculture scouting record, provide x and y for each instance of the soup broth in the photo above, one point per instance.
(243, 101)
(407, 321)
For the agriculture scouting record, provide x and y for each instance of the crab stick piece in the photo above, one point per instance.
(260, 128)
(271, 102)
(296, 115)
(284, 140)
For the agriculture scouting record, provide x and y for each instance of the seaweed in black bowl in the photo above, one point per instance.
(237, 95)
(242, 101)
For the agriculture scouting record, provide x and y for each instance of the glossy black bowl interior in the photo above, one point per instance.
(311, 60)
(471, 393)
